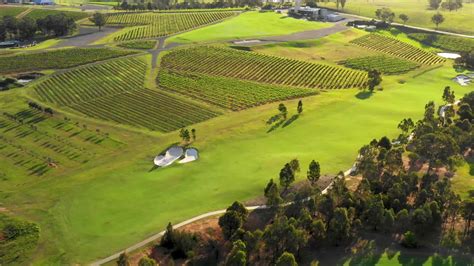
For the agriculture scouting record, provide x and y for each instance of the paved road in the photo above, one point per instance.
(86, 36)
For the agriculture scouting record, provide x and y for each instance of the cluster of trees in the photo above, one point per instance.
(448, 4)
(38, 107)
(393, 197)
(466, 60)
(387, 15)
(186, 135)
(188, 4)
(26, 28)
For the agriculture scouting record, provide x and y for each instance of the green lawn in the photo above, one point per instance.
(10, 11)
(248, 25)
(112, 3)
(417, 11)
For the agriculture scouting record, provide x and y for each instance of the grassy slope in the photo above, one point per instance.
(417, 11)
(101, 209)
(248, 25)
(11, 11)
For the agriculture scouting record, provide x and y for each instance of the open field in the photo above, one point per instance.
(418, 12)
(262, 68)
(248, 25)
(161, 24)
(37, 13)
(11, 11)
(395, 47)
(227, 93)
(57, 59)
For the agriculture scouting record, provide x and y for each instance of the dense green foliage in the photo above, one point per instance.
(228, 93)
(446, 42)
(18, 239)
(41, 13)
(385, 64)
(161, 24)
(144, 45)
(262, 68)
(397, 48)
(57, 59)
(114, 92)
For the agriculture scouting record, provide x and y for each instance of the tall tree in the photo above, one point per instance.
(434, 4)
(314, 172)
(283, 110)
(339, 227)
(123, 260)
(295, 165)
(27, 28)
(300, 107)
(385, 14)
(437, 19)
(448, 95)
(375, 78)
(287, 176)
(238, 255)
(98, 19)
(404, 18)
(230, 222)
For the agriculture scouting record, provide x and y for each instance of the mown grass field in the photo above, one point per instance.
(57, 59)
(417, 11)
(11, 11)
(248, 25)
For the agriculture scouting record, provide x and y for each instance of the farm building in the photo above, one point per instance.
(314, 14)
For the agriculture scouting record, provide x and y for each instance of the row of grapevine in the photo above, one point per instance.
(227, 93)
(158, 24)
(262, 68)
(114, 91)
(446, 42)
(385, 64)
(146, 108)
(397, 48)
(56, 59)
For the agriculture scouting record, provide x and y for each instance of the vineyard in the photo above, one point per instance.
(446, 42)
(143, 45)
(227, 93)
(262, 68)
(34, 142)
(113, 91)
(397, 48)
(385, 64)
(161, 24)
(57, 59)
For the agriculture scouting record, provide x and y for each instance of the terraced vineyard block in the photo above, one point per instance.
(262, 68)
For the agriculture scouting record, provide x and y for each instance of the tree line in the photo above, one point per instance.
(26, 28)
(404, 193)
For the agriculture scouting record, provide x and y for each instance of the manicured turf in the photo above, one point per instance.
(417, 11)
(57, 59)
(246, 65)
(11, 11)
(41, 13)
(248, 25)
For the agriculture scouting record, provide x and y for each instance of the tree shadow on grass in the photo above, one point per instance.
(291, 120)
(273, 119)
(362, 95)
(275, 126)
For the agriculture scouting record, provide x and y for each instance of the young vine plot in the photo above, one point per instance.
(32, 142)
(262, 68)
(397, 48)
(227, 93)
(113, 91)
(447, 42)
(143, 45)
(56, 59)
(385, 64)
(161, 24)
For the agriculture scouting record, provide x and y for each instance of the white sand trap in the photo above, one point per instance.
(247, 41)
(190, 155)
(172, 154)
(462, 80)
(449, 55)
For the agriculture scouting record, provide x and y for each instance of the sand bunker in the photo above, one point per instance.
(449, 55)
(247, 41)
(172, 154)
(464, 80)
(190, 155)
